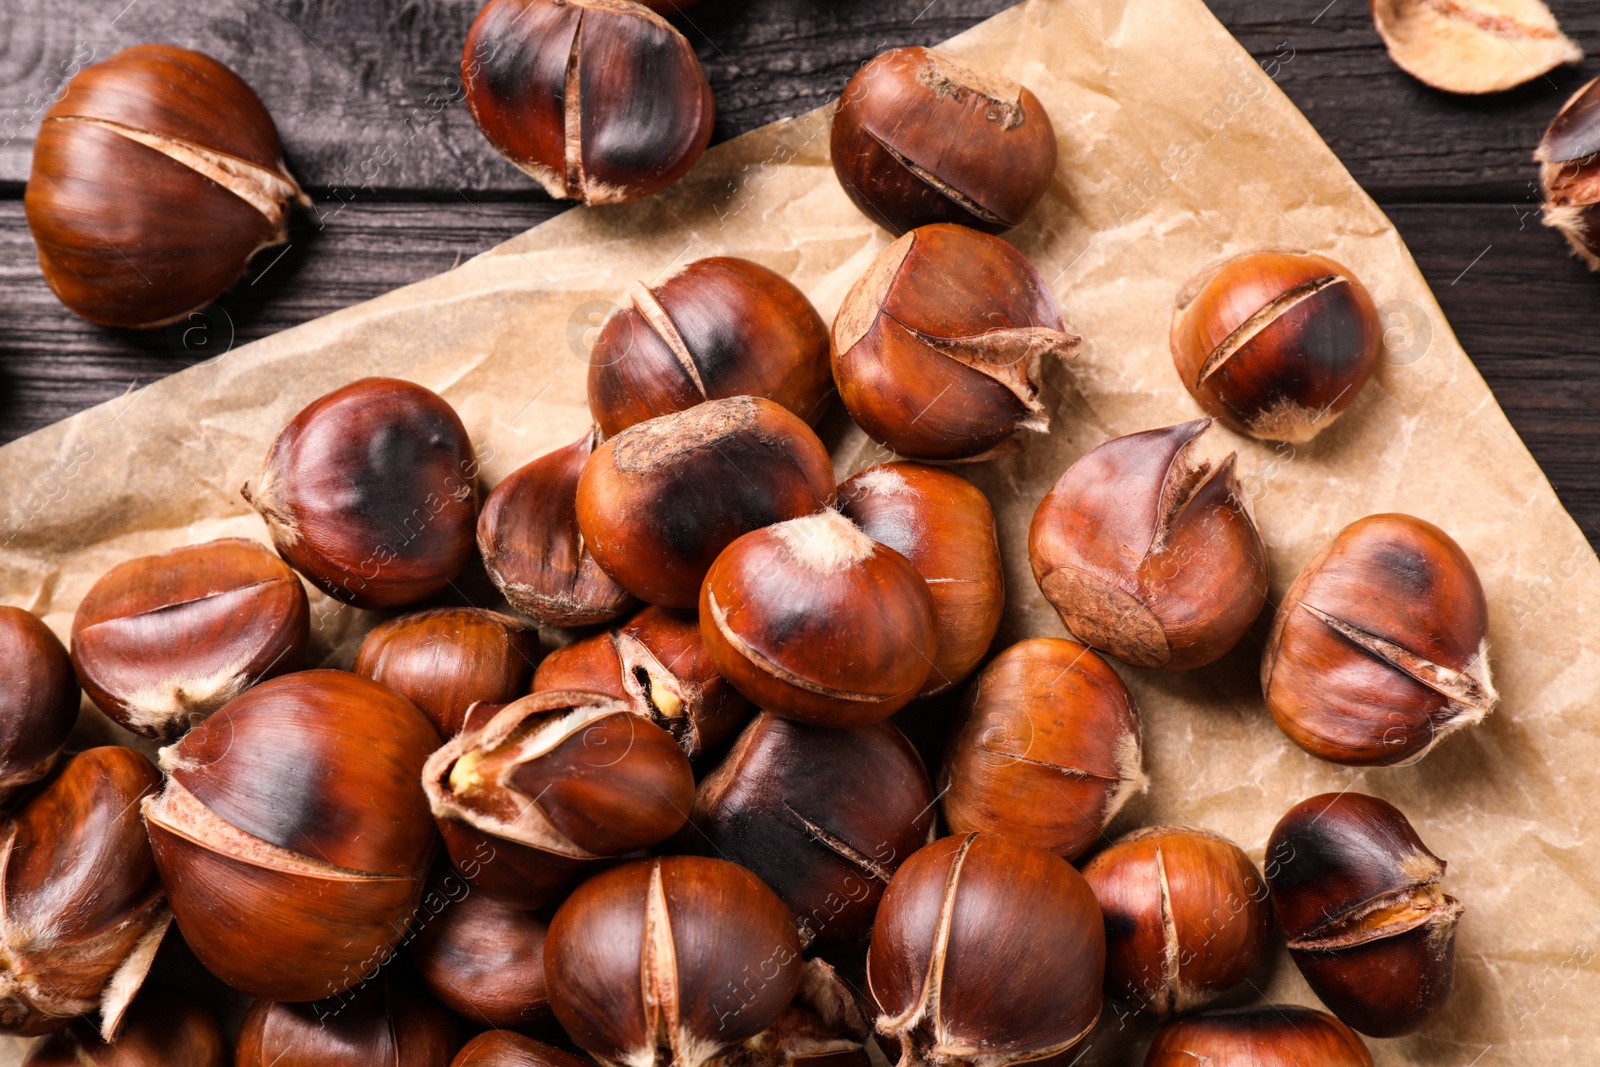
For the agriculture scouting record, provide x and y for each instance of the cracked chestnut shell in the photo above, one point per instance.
(1276, 344)
(1186, 916)
(1368, 924)
(1048, 750)
(1569, 171)
(1276, 1035)
(986, 951)
(716, 328)
(502, 1048)
(156, 177)
(673, 960)
(937, 347)
(482, 958)
(38, 700)
(601, 101)
(162, 1029)
(1147, 550)
(920, 137)
(387, 1020)
(825, 1025)
(1379, 650)
(160, 642)
(371, 492)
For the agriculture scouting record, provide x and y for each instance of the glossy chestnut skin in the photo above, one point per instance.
(1147, 550)
(448, 659)
(601, 101)
(162, 1029)
(659, 501)
(1277, 1035)
(160, 642)
(1379, 650)
(672, 960)
(1048, 750)
(156, 177)
(955, 984)
(716, 328)
(944, 525)
(1359, 898)
(1569, 172)
(813, 620)
(386, 1020)
(482, 958)
(38, 700)
(1186, 916)
(937, 347)
(371, 492)
(826, 1025)
(529, 539)
(1276, 344)
(81, 909)
(657, 662)
(920, 137)
(501, 1048)
(293, 835)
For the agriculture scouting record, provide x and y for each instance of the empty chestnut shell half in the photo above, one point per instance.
(160, 642)
(1276, 344)
(716, 328)
(161, 1029)
(502, 1048)
(920, 137)
(371, 492)
(38, 700)
(482, 958)
(156, 177)
(1359, 898)
(1147, 549)
(601, 101)
(937, 347)
(1379, 650)
(386, 1020)
(1276, 1035)
(1569, 171)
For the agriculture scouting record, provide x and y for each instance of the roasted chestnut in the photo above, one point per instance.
(161, 1029)
(943, 524)
(814, 620)
(824, 1026)
(446, 660)
(1186, 916)
(385, 1020)
(597, 100)
(986, 951)
(156, 177)
(716, 328)
(1379, 650)
(1569, 171)
(482, 958)
(1359, 898)
(673, 960)
(1147, 550)
(657, 502)
(936, 349)
(1048, 751)
(81, 910)
(1276, 1035)
(38, 700)
(501, 1048)
(293, 835)
(371, 492)
(921, 137)
(161, 642)
(1276, 344)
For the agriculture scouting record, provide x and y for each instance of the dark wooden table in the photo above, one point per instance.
(352, 82)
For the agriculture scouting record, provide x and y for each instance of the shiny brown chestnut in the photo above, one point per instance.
(659, 501)
(482, 958)
(385, 1020)
(1359, 898)
(38, 700)
(81, 910)
(446, 660)
(1276, 1035)
(921, 137)
(1379, 650)
(825, 1025)
(986, 951)
(657, 662)
(814, 620)
(293, 835)
(160, 642)
(937, 347)
(502, 1048)
(1186, 915)
(533, 550)
(161, 1029)
(944, 525)
(1048, 750)
(674, 960)
(601, 101)
(1147, 549)
(715, 328)
(1276, 344)
(371, 492)
(156, 177)
(1569, 171)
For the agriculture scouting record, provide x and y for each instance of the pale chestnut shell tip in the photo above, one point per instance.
(1568, 220)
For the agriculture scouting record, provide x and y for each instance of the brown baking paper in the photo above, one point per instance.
(1176, 149)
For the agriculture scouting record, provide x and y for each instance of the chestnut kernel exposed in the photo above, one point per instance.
(38, 700)
(1147, 549)
(161, 1029)
(1485, 46)
(502, 1048)
(1277, 1035)
(1379, 650)
(385, 1021)
(482, 958)
(1569, 171)
(936, 349)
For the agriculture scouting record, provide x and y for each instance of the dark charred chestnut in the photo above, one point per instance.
(1277, 1035)
(385, 1020)
(38, 700)
(161, 1029)
(482, 958)
(501, 1048)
